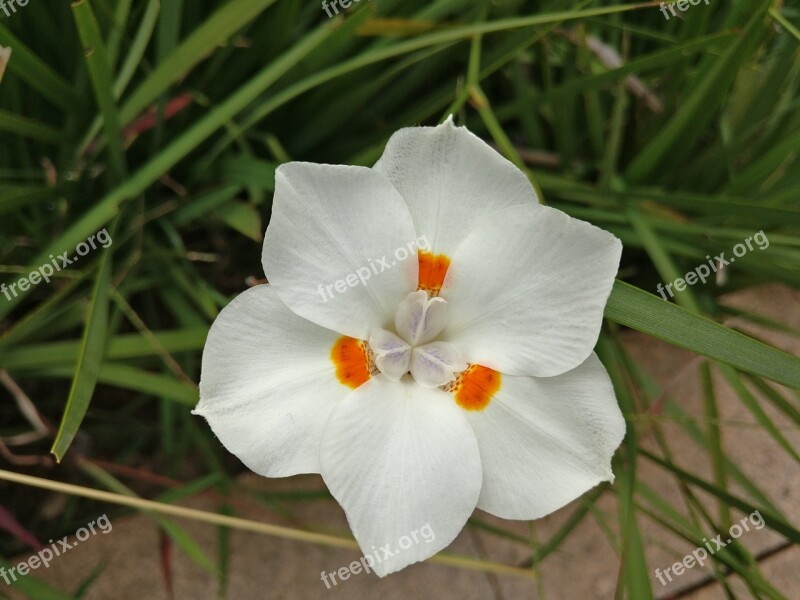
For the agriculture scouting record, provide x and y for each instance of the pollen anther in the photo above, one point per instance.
(432, 270)
(474, 388)
(353, 360)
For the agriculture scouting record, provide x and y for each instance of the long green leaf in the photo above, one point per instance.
(100, 72)
(689, 122)
(31, 69)
(649, 314)
(90, 359)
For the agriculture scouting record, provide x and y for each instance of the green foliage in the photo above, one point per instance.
(164, 121)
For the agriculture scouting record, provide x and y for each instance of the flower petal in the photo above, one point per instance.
(399, 458)
(340, 247)
(450, 179)
(268, 384)
(392, 354)
(420, 319)
(527, 289)
(546, 441)
(436, 364)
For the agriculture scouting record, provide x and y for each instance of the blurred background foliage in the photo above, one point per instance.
(163, 123)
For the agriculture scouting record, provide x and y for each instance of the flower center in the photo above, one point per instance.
(418, 320)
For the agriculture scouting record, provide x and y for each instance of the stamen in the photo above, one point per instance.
(432, 270)
(352, 360)
(474, 388)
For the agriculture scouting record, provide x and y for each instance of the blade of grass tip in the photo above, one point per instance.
(100, 75)
(90, 357)
(649, 314)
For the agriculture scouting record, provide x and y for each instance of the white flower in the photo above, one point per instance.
(480, 390)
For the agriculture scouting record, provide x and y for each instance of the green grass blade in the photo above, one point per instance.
(650, 314)
(100, 73)
(90, 359)
(36, 73)
(29, 128)
(680, 133)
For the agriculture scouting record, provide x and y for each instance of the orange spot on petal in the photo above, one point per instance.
(475, 387)
(432, 269)
(351, 360)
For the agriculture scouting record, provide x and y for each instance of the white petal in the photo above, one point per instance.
(268, 384)
(435, 364)
(450, 179)
(392, 354)
(420, 319)
(526, 291)
(546, 441)
(399, 458)
(340, 247)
